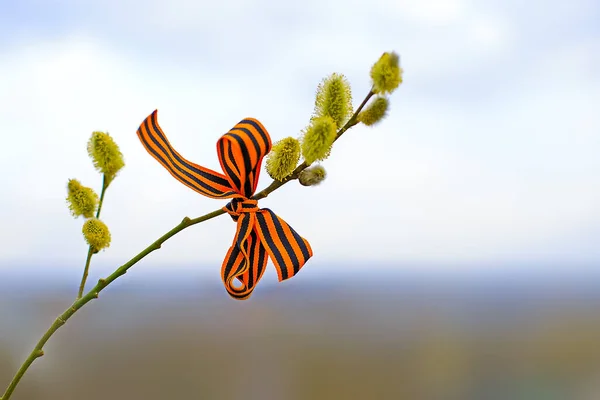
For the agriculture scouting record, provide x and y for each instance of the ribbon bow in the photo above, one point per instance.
(260, 232)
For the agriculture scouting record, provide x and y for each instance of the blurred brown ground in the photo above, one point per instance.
(307, 345)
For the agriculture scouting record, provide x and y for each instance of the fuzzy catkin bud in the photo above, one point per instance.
(312, 176)
(375, 112)
(96, 234)
(386, 73)
(334, 99)
(80, 199)
(105, 154)
(318, 138)
(283, 158)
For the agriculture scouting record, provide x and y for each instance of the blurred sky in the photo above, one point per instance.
(490, 153)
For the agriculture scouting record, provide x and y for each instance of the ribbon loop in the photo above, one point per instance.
(241, 151)
(260, 233)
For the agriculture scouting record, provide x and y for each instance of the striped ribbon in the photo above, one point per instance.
(260, 232)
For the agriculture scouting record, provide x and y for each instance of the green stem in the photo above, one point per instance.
(90, 249)
(104, 187)
(85, 272)
(103, 283)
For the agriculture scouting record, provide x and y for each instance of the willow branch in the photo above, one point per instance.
(38, 352)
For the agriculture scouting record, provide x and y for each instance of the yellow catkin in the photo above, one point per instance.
(375, 112)
(386, 73)
(334, 99)
(105, 154)
(318, 138)
(80, 199)
(283, 158)
(96, 234)
(312, 176)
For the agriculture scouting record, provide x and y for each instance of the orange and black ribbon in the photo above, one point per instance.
(260, 232)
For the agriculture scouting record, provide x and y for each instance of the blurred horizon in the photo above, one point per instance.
(410, 334)
(323, 272)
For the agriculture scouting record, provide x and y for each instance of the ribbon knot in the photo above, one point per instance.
(260, 233)
(239, 206)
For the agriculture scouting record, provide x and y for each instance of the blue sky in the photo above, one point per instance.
(489, 154)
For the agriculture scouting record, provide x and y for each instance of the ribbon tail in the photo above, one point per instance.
(288, 250)
(257, 256)
(245, 261)
(232, 265)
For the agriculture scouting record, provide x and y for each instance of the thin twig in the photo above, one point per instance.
(90, 248)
